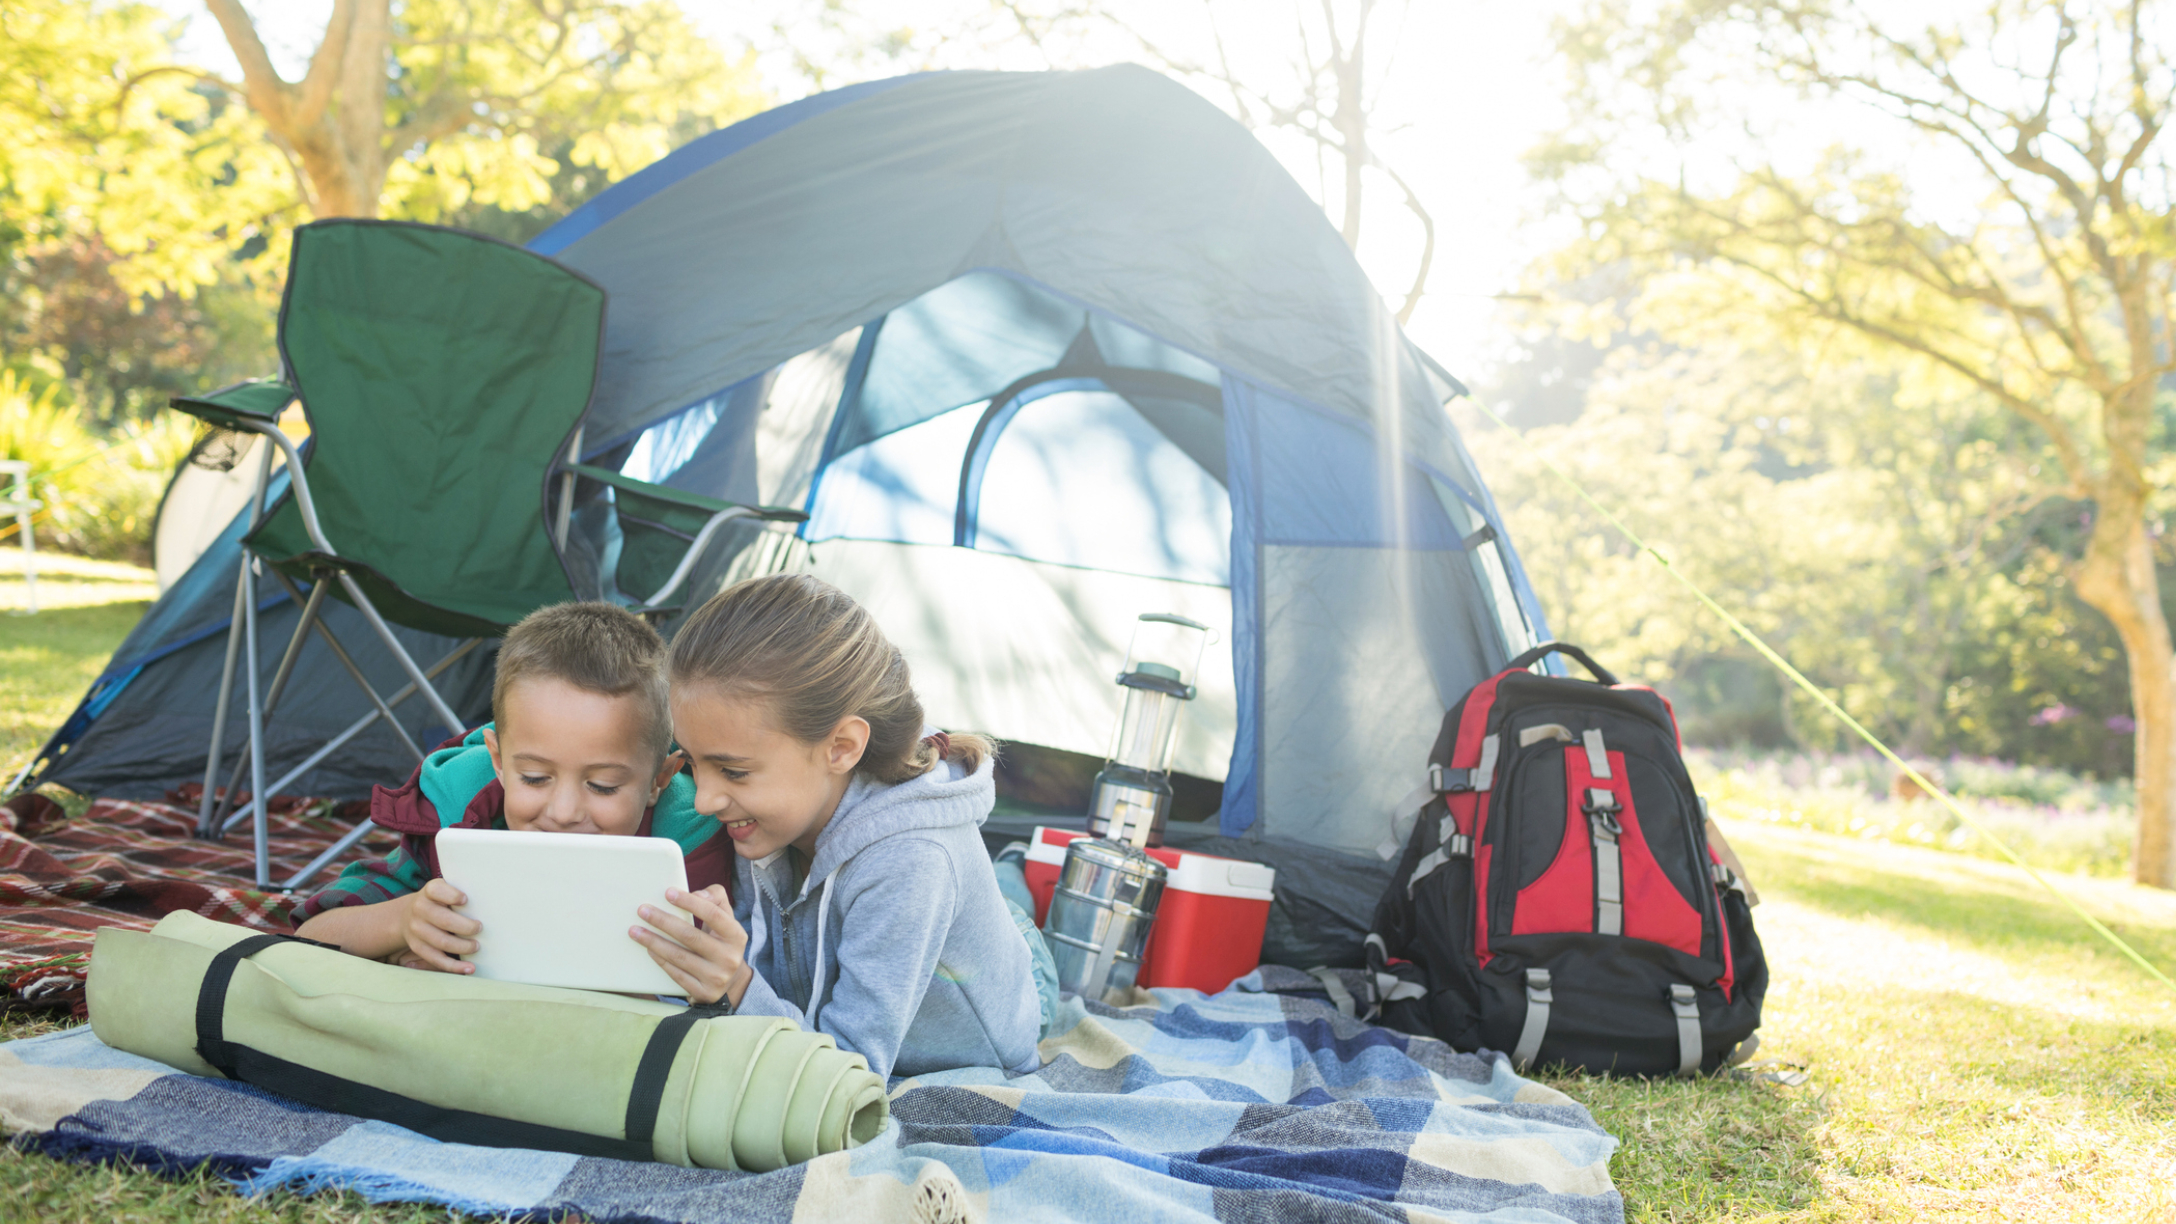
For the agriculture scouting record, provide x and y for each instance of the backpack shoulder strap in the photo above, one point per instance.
(1471, 770)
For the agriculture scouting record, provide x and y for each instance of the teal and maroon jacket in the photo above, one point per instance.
(456, 788)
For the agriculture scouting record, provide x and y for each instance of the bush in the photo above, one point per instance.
(2055, 820)
(101, 489)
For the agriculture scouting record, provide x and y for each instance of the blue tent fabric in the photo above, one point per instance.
(144, 725)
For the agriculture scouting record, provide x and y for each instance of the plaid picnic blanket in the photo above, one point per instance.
(129, 864)
(1261, 1103)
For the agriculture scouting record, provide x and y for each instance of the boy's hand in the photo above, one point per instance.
(707, 963)
(435, 933)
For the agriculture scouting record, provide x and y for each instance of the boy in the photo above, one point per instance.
(580, 742)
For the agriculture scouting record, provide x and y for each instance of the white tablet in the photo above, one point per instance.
(555, 907)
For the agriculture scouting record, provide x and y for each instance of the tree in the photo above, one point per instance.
(1867, 514)
(445, 102)
(105, 138)
(2049, 292)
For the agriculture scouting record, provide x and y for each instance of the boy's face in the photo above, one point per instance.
(574, 761)
(767, 788)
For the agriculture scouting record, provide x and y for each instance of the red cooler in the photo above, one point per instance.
(1209, 926)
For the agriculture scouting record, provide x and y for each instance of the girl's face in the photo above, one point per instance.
(767, 788)
(574, 761)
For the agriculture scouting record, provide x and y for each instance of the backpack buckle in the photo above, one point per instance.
(1451, 781)
(1601, 809)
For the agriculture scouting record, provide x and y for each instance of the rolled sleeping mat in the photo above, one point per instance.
(480, 1062)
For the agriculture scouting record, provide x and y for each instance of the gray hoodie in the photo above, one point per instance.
(898, 934)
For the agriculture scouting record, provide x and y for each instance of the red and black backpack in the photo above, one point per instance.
(1558, 897)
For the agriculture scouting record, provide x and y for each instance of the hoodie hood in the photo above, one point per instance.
(869, 811)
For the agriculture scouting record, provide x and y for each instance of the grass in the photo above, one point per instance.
(48, 659)
(1975, 1053)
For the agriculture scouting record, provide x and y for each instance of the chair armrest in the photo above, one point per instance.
(258, 400)
(681, 497)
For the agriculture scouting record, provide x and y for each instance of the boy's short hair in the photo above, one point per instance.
(597, 647)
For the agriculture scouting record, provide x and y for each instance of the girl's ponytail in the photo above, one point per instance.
(816, 657)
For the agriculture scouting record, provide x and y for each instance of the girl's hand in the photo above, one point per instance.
(435, 933)
(706, 962)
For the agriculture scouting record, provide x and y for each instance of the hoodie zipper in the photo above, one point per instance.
(796, 980)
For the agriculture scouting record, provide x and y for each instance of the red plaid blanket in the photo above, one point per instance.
(128, 864)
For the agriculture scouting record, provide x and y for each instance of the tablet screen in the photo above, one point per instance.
(555, 907)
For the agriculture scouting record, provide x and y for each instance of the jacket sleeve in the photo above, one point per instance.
(368, 882)
(891, 927)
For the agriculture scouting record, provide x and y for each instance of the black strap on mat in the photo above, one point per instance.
(656, 1066)
(211, 1000)
(314, 1087)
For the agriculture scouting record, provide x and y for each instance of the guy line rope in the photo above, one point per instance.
(1813, 690)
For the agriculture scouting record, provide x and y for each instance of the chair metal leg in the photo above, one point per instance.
(385, 632)
(362, 827)
(205, 821)
(357, 728)
(363, 682)
(338, 848)
(241, 629)
(280, 677)
(256, 720)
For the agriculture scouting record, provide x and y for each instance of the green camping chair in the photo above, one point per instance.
(442, 373)
(445, 376)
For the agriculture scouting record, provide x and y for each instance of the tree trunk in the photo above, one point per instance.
(2117, 578)
(332, 125)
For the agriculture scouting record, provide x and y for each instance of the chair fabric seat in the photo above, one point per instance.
(442, 373)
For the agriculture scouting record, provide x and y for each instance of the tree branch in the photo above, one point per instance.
(324, 73)
(266, 92)
(1428, 243)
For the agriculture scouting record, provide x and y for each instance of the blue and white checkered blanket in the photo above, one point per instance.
(1260, 1103)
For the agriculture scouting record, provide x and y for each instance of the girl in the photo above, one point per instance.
(864, 903)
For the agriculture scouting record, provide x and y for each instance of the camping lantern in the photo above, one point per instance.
(1131, 800)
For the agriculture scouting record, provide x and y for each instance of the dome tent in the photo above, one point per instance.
(1038, 353)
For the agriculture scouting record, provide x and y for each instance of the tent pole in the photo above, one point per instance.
(219, 712)
(362, 724)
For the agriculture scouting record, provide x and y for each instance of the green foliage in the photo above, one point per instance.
(1884, 528)
(108, 137)
(1968, 204)
(511, 108)
(145, 207)
(120, 355)
(101, 489)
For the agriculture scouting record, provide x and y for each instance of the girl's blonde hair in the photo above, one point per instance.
(815, 657)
